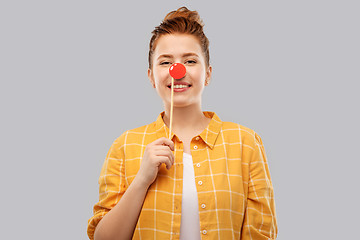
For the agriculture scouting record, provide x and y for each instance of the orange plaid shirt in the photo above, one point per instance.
(234, 188)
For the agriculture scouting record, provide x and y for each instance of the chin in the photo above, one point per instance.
(182, 104)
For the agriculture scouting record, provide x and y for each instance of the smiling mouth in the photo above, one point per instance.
(178, 86)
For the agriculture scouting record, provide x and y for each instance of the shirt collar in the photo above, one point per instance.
(209, 135)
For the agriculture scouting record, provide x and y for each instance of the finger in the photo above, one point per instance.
(162, 148)
(164, 159)
(172, 158)
(165, 141)
(166, 153)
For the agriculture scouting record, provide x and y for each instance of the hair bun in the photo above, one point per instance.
(184, 13)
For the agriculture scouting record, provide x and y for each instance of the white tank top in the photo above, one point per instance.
(190, 223)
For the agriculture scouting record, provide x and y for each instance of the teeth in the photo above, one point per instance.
(180, 86)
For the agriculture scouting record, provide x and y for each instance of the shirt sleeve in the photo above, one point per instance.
(112, 185)
(260, 218)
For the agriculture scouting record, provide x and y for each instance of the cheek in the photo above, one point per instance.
(161, 76)
(198, 74)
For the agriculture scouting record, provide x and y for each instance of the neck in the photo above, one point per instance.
(186, 119)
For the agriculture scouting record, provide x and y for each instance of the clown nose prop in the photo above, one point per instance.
(177, 71)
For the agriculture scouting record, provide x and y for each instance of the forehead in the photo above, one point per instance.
(176, 44)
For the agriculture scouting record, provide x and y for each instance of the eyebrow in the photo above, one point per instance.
(184, 55)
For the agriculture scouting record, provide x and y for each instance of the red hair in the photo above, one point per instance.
(181, 21)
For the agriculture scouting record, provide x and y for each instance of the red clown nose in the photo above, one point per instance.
(177, 71)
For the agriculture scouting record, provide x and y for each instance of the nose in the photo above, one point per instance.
(177, 70)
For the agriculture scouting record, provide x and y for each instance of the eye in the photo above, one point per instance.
(190, 61)
(164, 63)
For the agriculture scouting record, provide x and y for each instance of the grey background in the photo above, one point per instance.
(73, 78)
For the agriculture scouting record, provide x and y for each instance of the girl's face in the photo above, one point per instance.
(185, 49)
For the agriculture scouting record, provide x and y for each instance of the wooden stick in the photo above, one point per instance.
(172, 105)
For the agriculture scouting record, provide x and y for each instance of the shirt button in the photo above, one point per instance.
(198, 164)
(195, 147)
(204, 232)
(203, 206)
(197, 138)
(200, 182)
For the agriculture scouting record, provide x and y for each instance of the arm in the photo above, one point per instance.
(120, 221)
(260, 217)
(117, 212)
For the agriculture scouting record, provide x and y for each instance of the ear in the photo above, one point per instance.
(151, 77)
(208, 75)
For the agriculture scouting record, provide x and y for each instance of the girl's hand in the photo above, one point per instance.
(156, 153)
